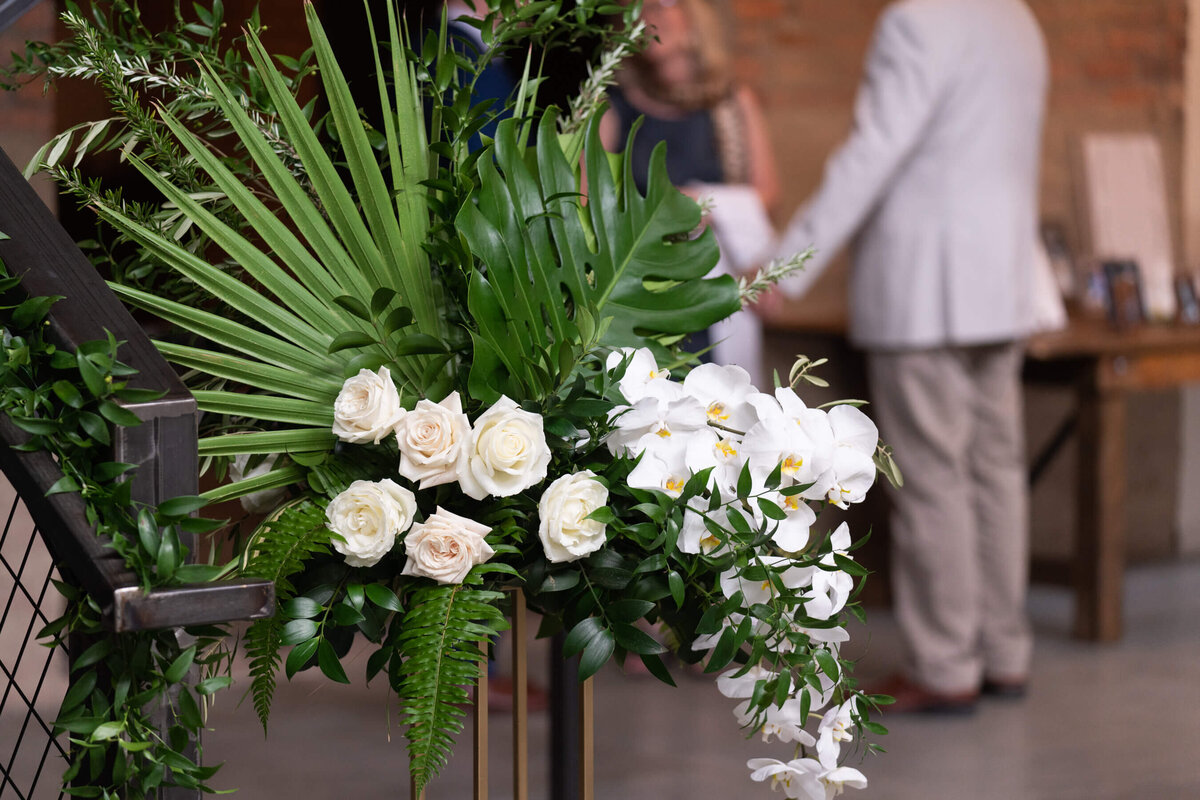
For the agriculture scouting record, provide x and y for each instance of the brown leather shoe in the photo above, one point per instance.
(912, 698)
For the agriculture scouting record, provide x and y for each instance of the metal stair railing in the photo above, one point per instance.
(164, 449)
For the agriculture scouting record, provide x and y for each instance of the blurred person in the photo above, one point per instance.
(681, 85)
(938, 183)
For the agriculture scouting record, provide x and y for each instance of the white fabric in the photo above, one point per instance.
(746, 237)
(938, 178)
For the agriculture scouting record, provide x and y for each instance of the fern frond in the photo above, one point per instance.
(277, 551)
(440, 645)
(262, 643)
(284, 541)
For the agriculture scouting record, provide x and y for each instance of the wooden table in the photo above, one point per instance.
(1105, 365)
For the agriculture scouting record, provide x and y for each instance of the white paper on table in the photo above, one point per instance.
(1049, 311)
(1127, 210)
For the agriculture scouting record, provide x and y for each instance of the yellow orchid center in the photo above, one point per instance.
(710, 542)
(674, 485)
(717, 411)
(664, 432)
(792, 503)
(726, 449)
(791, 464)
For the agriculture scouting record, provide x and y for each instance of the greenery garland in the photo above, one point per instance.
(68, 403)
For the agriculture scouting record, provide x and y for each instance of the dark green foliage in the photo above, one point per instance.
(557, 278)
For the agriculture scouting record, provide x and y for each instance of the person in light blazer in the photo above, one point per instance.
(937, 184)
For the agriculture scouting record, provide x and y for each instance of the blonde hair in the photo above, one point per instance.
(710, 56)
(713, 87)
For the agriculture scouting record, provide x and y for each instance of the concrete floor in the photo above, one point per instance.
(1101, 722)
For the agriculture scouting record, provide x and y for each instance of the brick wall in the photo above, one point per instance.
(26, 117)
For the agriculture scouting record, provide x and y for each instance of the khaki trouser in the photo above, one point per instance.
(959, 526)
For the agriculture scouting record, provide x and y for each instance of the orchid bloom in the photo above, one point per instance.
(830, 590)
(723, 391)
(853, 470)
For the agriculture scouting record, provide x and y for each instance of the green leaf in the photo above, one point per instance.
(637, 641)
(328, 661)
(678, 591)
(64, 484)
(78, 692)
(297, 631)
(179, 667)
(626, 611)
(118, 415)
(300, 655)
(828, 664)
(107, 730)
(384, 597)
(301, 608)
(181, 506)
(596, 654)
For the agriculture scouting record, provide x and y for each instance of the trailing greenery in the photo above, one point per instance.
(67, 403)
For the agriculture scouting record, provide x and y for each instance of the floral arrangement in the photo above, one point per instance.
(442, 373)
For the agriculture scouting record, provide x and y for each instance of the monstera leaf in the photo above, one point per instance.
(563, 272)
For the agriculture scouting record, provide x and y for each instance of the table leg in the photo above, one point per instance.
(1100, 534)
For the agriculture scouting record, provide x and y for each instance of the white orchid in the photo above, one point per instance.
(738, 687)
(723, 454)
(723, 391)
(793, 437)
(806, 777)
(651, 418)
(642, 376)
(763, 591)
(797, 778)
(830, 589)
(835, 727)
(694, 535)
(783, 722)
(853, 470)
(662, 467)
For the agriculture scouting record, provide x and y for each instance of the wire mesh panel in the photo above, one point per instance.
(33, 677)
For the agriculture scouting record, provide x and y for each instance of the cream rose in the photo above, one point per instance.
(431, 436)
(566, 532)
(368, 517)
(445, 547)
(505, 454)
(367, 408)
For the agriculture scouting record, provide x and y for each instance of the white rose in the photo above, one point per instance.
(566, 532)
(505, 454)
(431, 436)
(368, 517)
(445, 547)
(367, 408)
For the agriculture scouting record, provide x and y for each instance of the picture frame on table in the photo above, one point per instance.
(1189, 303)
(1123, 291)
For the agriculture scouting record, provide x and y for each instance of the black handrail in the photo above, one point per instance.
(163, 446)
(11, 11)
